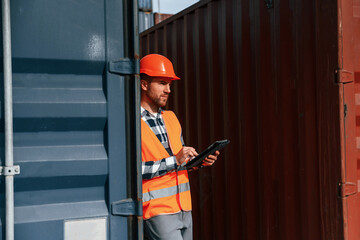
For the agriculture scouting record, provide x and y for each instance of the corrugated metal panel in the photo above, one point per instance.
(145, 5)
(70, 119)
(146, 20)
(159, 17)
(265, 79)
(348, 74)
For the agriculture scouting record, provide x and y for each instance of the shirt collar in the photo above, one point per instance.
(146, 112)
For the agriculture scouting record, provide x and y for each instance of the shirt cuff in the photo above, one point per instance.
(170, 163)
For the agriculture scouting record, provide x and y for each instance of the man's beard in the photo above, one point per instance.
(157, 101)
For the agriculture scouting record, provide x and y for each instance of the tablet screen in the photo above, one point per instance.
(197, 161)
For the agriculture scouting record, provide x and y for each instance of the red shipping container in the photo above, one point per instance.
(281, 80)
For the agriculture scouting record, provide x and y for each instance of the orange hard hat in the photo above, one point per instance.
(156, 65)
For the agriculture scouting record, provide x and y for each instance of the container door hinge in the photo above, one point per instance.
(127, 207)
(344, 76)
(125, 66)
(347, 189)
(10, 171)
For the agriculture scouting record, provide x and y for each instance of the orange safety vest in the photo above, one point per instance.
(169, 193)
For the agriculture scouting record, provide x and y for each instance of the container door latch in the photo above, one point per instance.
(125, 66)
(127, 207)
(347, 189)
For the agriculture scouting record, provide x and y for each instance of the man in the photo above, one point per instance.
(166, 189)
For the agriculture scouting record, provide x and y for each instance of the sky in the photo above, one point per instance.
(171, 6)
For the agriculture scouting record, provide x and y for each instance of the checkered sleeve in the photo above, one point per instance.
(152, 169)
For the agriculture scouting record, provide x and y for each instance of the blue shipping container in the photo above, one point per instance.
(146, 20)
(145, 5)
(75, 121)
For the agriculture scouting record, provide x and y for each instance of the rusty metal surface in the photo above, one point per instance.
(266, 80)
(159, 17)
(349, 52)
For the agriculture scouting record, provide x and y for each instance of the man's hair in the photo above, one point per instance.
(145, 77)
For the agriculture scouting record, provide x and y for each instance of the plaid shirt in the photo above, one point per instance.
(156, 168)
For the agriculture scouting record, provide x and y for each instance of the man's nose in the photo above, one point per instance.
(167, 88)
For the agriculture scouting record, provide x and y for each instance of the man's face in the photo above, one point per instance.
(157, 90)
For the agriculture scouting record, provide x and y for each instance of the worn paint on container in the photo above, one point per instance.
(265, 78)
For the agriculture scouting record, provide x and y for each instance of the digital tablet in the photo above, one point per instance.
(197, 161)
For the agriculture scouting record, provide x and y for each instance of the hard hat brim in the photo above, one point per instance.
(157, 74)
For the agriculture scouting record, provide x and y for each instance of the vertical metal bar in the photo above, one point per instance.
(9, 156)
(132, 86)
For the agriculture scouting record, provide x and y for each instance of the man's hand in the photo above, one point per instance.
(185, 154)
(210, 160)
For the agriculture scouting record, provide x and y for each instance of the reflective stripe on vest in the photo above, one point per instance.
(169, 193)
(166, 192)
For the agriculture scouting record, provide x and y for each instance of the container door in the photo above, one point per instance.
(71, 115)
(349, 77)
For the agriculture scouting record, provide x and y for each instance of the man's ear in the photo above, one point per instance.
(144, 85)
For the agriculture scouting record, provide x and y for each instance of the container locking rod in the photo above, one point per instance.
(9, 149)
